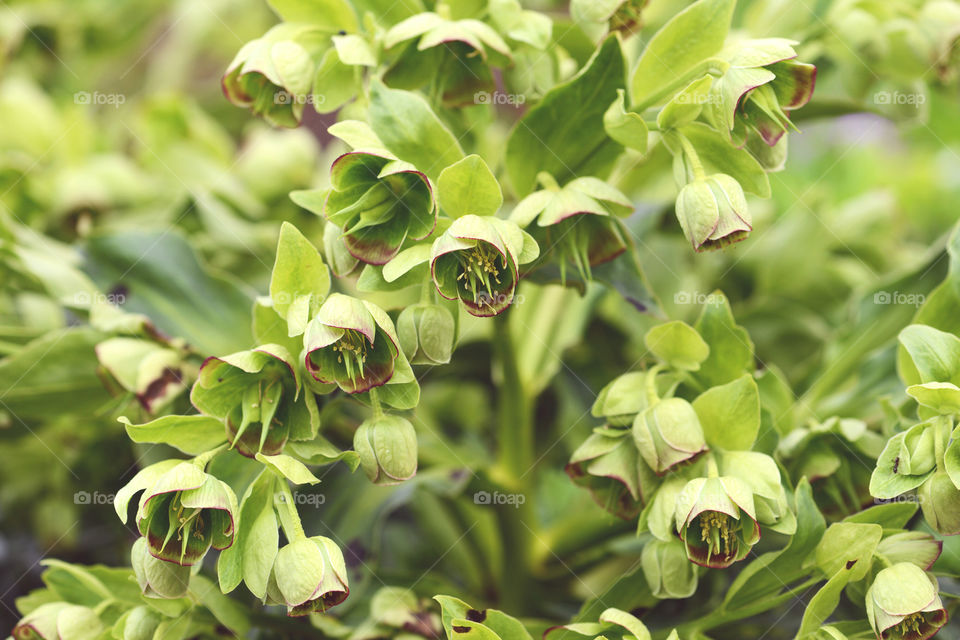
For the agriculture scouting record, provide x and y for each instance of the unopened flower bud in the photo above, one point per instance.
(427, 333)
(940, 502)
(387, 446)
(667, 570)
(668, 433)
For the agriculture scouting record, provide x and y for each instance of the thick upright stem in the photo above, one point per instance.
(514, 471)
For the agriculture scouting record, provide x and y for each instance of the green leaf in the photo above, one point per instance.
(250, 557)
(229, 612)
(191, 434)
(468, 186)
(165, 281)
(824, 602)
(627, 621)
(677, 344)
(731, 350)
(328, 15)
(718, 156)
(848, 545)
(626, 127)
(730, 414)
(563, 134)
(291, 468)
(885, 483)
(411, 130)
(935, 353)
(690, 37)
(942, 397)
(893, 515)
(406, 260)
(300, 280)
(60, 365)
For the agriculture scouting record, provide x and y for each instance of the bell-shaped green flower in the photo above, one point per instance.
(476, 259)
(762, 474)
(918, 547)
(436, 40)
(668, 433)
(576, 221)
(940, 501)
(668, 571)
(762, 85)
(428, 333)
(158, 578)
(903, 603)
(608, 465)
(309, 576)
(185, 512)
(713, 212)
(58, 620)
(255, 394)
(387, 446)
(378, 201)
(716, 520)
(352, 343)
(273, 75)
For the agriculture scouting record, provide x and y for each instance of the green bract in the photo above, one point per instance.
(476, 261)
(352, 343)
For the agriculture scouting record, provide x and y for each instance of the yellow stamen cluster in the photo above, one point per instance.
(714, 528)
(183, 522)
(911, 624)
(477, 267)
(353, 345)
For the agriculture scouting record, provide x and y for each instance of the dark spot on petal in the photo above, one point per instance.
(476, 616)
(461, 629)
(850, 564)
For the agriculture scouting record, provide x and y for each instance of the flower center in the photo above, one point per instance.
(911, 624)
(478, 267)
(184, 522)
(714, 530)
(352, 352)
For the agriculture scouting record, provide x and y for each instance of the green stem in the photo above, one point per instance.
(691, 153)
(712, 66)
(287, 511)
(515, 462)
(375, 403)
(938, 444)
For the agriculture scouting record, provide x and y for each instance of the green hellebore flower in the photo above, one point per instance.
(476, 259)
(158, 578)
(668, 433)
(940, 501)
(713, 212)
(903, 603)
(309, 576)
(667, 570)
(761, 473)
(387, 446)
(57, 620)
(763, 81)
(273, 74)
(352, 343)
(918, 547)
(607, 464)
(577, 221)
(184, 513)
(716, 521)
(141, 623)
(427, 333)
(379, 202)
(254, 392)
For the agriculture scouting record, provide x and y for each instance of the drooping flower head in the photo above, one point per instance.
(903, 603)
(716, 520)
(309, 576)
(476, 260)
(352, 343)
